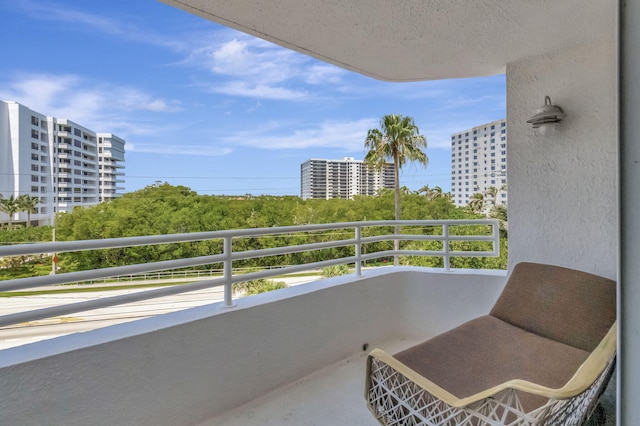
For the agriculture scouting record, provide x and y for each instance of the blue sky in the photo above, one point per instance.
(211, 108)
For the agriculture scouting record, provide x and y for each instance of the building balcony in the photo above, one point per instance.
(265, 359)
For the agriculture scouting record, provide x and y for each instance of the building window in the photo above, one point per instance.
(35, 121)
(77, 132)
(35, 134)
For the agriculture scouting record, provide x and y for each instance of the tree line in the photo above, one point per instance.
(166, 209)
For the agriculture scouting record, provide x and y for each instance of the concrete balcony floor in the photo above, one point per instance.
(333, 395)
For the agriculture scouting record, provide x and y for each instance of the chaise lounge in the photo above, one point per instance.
(542, 356)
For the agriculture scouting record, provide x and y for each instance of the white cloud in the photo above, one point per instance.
(322, 73)
(239, 64)
(246, 66)
(261, 91)
(344, 135)
(198, 150)
(99, 106)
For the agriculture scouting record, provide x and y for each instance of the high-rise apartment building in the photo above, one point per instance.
(61, 162)
(479, 163)
(320, 178)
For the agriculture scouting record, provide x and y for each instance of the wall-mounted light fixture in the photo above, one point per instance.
(547, 118)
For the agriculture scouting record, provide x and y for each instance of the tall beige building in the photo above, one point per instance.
(325, 179)
(479, 162)
(62, 163)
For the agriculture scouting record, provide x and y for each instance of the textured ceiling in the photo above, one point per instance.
(404, 40)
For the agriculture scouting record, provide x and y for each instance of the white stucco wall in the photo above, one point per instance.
(563, 189)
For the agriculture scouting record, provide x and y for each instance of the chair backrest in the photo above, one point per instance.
(569, 306)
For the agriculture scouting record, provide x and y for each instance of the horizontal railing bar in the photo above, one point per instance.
(377, 254)
(442, 253)
(291, 269)
(407, 237)
(105, 302)
(291, 249)
(69, 277)
(72, 246)
(471, 238)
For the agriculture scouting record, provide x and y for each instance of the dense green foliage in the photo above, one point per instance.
(167, 209)
(336, 270)
(262, 285)
(21, 234)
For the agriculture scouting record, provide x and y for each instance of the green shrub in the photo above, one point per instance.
(336, 270)
(248, 288)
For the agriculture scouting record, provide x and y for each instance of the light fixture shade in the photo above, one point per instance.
(547, 114)
(547, 129)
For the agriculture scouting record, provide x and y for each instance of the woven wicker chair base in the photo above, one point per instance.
(395, 400)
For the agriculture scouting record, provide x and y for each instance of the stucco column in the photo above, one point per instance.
(629, 312)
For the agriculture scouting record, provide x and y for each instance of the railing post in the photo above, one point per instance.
(396, 245)
(358, 250)
(228, 272)
(496, 238)
(445, 246)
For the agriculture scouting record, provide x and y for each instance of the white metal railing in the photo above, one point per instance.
(228, 256)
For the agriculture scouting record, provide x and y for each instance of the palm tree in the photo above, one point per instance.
(500, 212)
(476, 202)
(492, 191)
(10, 206)
(436, 192)
(28, 203)
(398, 140)
(424, 190)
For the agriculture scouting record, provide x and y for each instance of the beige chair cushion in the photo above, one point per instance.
(562, 304)
(486, 352)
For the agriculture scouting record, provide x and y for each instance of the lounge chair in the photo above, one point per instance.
(543, 356)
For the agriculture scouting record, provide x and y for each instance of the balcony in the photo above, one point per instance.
(234, 351)
(281, 356)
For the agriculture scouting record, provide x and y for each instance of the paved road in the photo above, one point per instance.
(34, 331)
